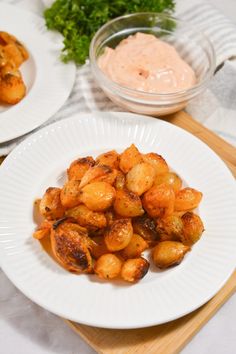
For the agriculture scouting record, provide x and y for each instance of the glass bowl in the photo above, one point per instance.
(192, 45)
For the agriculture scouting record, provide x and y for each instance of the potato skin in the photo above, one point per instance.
(120, 180)
(187, 199)
(159, 201)
(134, 269)
(70, 194)
(146, 228)
(170, 178)
(87, 218)
(98, 196)
(135, 247)
(168, 253)
(192, 228)
(108, 266)
(78, 167)
(140, 178)
(157, 161)
(129, 158)
(118, 235)
(50, 205)
(98, 247)
(170, 228)
(109, 158)
(128, 204)
(98, 172)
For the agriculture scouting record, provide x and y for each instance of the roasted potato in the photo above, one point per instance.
(70, 194)
(170, 178)
(108, 266)
(87, 218)
(192, 228)
(78, 167)
(159, 201)
(98, 196)
(146, 228)
(118, 235)
(129, 158)
(70, 246)
(128, 204)
(99, 172)
(140, 178)
(12, 87)
(50, 205)
(98, 246)
(110, 158)
(170, 228)
(187, 199)
(120, 180)
(134, 269)
(135, 247)
(168, 253)
(157, 161)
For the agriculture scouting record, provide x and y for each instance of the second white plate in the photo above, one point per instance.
(48, 80)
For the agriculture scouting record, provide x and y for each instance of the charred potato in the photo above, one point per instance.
(50, 205)
(108, 266)
(140, 178)
(146, 228)
(187, 199)
(118, 235)
(192, 228)
(87, 218)
(169, 253)
(170, 228)
(134, 269)
(129, 158)
(98, 196)
(128, 204)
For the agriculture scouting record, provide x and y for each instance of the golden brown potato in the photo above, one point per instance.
(109, 177)
(140, 178)
(134, 249)
(118, 235)
(157, 161)
(145, 227)
(134, 269)
(120, 180)
(98, 196)
(170, 228)
(50, 205)
(12, 87)
(110, 216)
(110, 158)
(187, 199)
(70, 246)
(39, 234)
(99, 172)
(128, 204)
(8, 39)
(129, 158)
(168, 253)
(108, 266)
(78, 167)
(87, 218)
(98, 247)
(159, 201)
(192, 228)
(170, 178)
(70, 194)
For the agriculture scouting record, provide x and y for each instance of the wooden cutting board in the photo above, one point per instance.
(171, 337)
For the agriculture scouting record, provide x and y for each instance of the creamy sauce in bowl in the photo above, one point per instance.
(145, 63)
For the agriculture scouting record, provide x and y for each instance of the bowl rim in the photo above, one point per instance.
(192, 91)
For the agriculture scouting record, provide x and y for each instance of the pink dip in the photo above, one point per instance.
(145, 63)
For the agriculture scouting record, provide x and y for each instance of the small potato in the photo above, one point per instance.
(110, 217)
(98, 247)
(192, 228)
(187, 199)
(109, 177)
(118, 235)
(50, 205)
(145, 227)
(129, 158)
(168, 253)
(120, 180)
(159, 201)
(95, 172)
(140, 178)
(134, 269)
(39, 234)
(110, 158)
(170, 178)
(78, 167)
(108, 266)
(157, 162)
(70, 194)
(88, 218)
(128, 204)
(98, 196)
(134, 249)
(170, 228)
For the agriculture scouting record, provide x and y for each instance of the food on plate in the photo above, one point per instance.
(145, 63)
(12, 55)
(71, 19)
(113, 209)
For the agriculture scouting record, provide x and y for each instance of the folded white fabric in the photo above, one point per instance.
(215, 108)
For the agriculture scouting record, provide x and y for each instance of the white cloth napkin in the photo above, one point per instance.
(214, 109)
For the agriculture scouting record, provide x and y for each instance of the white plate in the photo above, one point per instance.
(48, 80)
(159, 297)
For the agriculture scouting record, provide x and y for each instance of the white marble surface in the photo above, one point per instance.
(43, 333)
